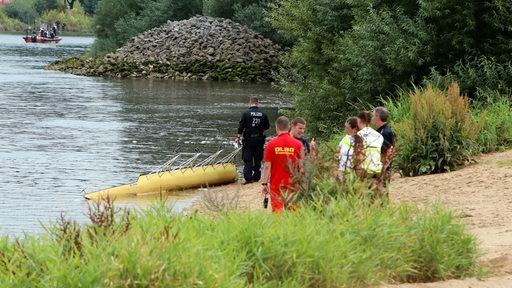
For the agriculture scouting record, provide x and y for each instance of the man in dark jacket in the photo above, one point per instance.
(380, 119)
(251, 126)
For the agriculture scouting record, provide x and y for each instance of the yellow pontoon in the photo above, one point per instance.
(164, 180)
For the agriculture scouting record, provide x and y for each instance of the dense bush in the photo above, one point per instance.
(435, 129)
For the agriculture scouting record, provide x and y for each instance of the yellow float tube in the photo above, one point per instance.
(164, 181)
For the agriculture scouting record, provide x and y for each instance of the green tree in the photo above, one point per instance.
(349, 53)
(251, 13)
(89, 6)
(219, 8)
(42, 6)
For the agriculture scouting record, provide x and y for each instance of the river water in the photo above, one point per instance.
(63, 135)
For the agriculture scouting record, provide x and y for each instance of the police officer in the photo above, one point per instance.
(253, 123)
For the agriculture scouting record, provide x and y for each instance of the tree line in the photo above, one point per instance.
(27, 10)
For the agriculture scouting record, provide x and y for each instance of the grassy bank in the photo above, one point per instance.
(347, 242)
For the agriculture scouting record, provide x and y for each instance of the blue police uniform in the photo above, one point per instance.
(252, 125)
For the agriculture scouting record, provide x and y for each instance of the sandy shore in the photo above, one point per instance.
(482, 192)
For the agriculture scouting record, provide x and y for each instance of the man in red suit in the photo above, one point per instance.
(282, 159)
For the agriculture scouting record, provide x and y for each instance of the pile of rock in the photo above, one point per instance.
(197, 48)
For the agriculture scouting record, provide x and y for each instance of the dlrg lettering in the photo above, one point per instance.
(284, 150)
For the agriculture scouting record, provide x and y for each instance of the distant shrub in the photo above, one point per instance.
(438, 134)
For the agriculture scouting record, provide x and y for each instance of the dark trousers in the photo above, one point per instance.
(252, 154)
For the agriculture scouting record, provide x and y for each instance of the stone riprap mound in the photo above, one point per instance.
(197, 48)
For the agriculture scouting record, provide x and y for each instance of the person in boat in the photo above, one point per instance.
(251, 127)
(282, 162)
(297, 131)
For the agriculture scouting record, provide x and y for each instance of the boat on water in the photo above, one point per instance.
(39, 39)
(184, 176)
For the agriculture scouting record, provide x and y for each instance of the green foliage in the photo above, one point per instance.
(254, 17)
(349, 52)
(10, 24)
(22, 10)
(218, 8)
(108, 12)
(343, 243)
(437, 133)
(42, 6)
(479, 77)
(89, 6)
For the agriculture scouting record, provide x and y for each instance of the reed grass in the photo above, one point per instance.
(345, 242)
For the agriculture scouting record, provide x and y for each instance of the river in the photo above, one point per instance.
(63, 135)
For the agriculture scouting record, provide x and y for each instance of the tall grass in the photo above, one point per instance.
(345, 242)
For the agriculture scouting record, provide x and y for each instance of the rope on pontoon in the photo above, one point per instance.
(189, 162)
(230, 157)
(209, 160)
(164, 166)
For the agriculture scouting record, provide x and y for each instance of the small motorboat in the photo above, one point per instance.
(39, 39)
(187, 175)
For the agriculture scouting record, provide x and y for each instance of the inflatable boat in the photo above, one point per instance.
(163, 180)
